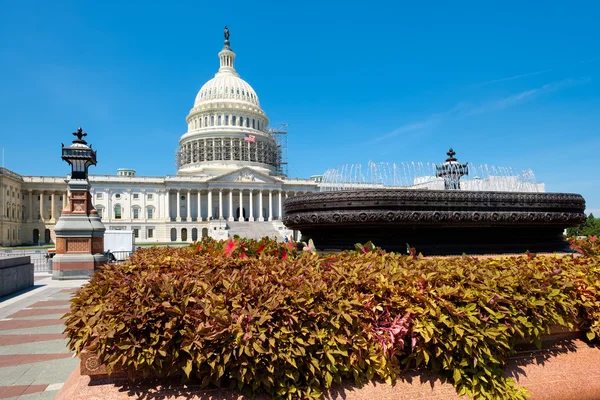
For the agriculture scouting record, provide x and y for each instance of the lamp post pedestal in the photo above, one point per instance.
(79, 230)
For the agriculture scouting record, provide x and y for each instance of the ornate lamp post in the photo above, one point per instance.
(79, 231)
(451, 171)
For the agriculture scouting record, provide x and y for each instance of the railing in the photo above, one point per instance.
(118, 256)
(39, 258)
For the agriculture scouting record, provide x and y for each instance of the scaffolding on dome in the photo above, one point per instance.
(177, 159)
(279, 134)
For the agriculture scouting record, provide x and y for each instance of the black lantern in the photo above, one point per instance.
(451, 171)
(79, 155)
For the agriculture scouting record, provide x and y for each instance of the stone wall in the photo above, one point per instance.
(16, 273)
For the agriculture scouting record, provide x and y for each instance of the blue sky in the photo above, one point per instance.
(509, 83)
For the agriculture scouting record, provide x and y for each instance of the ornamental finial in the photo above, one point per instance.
(80, 134)
(226, 33)
(451, 153)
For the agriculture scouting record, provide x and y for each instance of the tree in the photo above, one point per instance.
(590, 228)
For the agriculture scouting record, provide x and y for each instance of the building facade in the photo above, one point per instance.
(229, 180)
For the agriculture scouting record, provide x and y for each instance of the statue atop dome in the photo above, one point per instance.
(226, 33)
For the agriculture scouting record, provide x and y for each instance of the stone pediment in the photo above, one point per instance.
(245, 175)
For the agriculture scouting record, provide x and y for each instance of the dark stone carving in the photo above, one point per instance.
(436, 221)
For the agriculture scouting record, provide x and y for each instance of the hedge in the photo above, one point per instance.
(260, 317)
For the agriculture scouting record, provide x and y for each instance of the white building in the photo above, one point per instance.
(229, 179)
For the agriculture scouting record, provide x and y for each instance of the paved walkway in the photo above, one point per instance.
(34, 359)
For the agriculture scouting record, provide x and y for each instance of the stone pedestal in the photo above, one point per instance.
(79, 236)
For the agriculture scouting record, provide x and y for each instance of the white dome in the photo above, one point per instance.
(226, 85)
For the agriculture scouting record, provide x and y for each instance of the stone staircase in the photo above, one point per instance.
(253, 230)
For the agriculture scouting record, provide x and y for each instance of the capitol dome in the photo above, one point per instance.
(226, 86)
(227, 129)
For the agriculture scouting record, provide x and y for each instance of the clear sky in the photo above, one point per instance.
(505, 83)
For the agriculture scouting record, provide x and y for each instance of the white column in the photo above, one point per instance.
(29, 217)
(188, 217)
(251, 211)
(270, 205)
(241, 218)
(279, 215)
(168, 206)
(144, 211)
(220, 203)
(199, 216)
(52, 207)
(41, 206)
(178, 202)
(108, 204)
(209, 211)
(129, 200)
(260, 213)
(64, 199)
(230, 216)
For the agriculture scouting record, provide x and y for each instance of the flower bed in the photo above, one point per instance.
(261, 317)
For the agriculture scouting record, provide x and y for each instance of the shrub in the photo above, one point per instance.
(589, 246)
(291, 326)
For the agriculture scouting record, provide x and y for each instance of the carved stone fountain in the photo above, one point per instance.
(437, 222)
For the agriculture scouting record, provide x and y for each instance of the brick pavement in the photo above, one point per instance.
(34, 359)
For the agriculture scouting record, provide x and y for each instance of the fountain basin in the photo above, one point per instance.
(436, 222)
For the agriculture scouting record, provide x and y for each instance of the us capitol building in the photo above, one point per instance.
(229, 180)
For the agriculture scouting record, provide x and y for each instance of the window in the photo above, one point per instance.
(100, 212)
(136, 233)
(150, 196)
(182, 197)
(117, 211)
(212, 120)
(136, 213)
(99, 195)
(247, 122)
(117, 196)
(233, 120)
(49, 197)
(227, 120)
(150, 233)
(219, 120)
(253, 124)
(60, 198)
(150, 212)
(136, 196)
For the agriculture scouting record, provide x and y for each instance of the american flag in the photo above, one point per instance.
(249, 138)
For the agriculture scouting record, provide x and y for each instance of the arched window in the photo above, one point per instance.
(233, 121)
(150, 212)
(212, 120)
(219, 120)
(100, 211)
(205, 122)
(241, 121)
(253, 127)
(227, 120)
(117, 211)
(247, 122)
